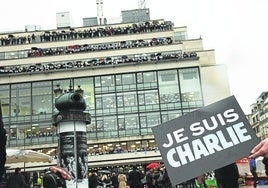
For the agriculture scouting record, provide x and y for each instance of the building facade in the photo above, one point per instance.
(259, 116)
(134, 76)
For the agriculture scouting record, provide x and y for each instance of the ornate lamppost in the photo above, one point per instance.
(71, 121)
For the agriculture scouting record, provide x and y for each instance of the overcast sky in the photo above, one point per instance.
(236, 29)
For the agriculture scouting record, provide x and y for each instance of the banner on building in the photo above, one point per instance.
(204, 140)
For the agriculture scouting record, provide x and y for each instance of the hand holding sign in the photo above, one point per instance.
(204, 140)
(260, 150)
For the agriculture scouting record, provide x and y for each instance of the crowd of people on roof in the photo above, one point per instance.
(36, 52)
(156, 57)
(88, 33)
(73, 34)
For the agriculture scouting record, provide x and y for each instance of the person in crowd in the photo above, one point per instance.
(39, 181)
(34, 178)
(200, 181)
(105, 181)
(27, 177)
(92, 180)
(134, 178)
(253, 168)
(3, 139)
(49, 179)
(227, 176)
(190, 183)
(265, 162)
(16, 180)
(114, 180)
(150, 178)
(53, 180)
(165, 180)
(122, 180)
(260, 149)
(159, 178)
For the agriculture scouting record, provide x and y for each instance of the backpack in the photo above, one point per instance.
(39, 181)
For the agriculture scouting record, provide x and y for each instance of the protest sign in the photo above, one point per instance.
(204, 140)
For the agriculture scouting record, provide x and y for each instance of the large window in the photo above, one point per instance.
(125, 82)
(169, 115)
(87, 85)
(146, 80)
(148, 100)
(15, 55)
(105, 104)
(104, 84)
(106, 127)
(169, 90)
(21, 100)
(127, 102)
(190, 88)
(120, 105)
(42, 98)
(4, 98)
(150, 119)
(180, 35)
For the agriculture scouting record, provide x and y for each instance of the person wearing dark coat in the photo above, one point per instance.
(16, 180)
(165, 180)
(151, 177)
(2, 146)
(92, 180)
(114, 180)
(252, 165)
(227, 176)
(134, 178)
(265, 162)
(53, 180)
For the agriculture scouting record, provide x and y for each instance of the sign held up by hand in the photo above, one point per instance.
(204, 140)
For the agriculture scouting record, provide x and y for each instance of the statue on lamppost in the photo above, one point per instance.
(71, 121)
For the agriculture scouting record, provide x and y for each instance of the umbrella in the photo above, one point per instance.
(34, 48)
(25, 156)
(64, 173)
(152, 165)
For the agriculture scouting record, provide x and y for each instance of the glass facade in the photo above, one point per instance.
(180, 35)
(120, 105)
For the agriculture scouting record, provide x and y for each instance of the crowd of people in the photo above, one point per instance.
(135, 178)
(88, 33)
(37, 52)
(80, 33)
(81, 64)
(157, 177)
